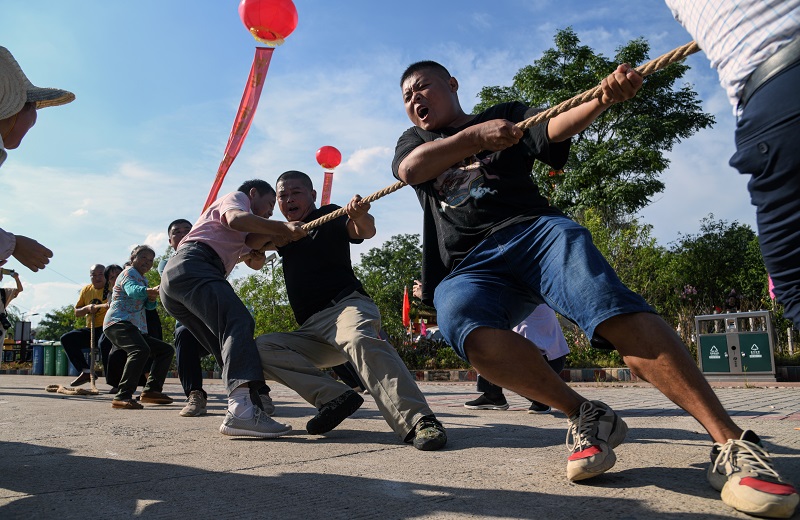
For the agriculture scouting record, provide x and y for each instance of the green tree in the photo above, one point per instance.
(615, 164)
(58, 322)
(385, 271)
(635, 255)
(264, 293)
(722, 257)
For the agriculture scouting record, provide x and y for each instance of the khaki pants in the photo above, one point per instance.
(346, 331)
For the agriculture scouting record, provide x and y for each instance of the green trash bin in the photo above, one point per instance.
(62, 364)
(736, 346)
(49, 360)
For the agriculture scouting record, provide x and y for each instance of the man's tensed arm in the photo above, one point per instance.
(362, 227)
(249, 223)
(620, 85)
(574, 121)
(255, 260)
(431, 159)
(360, 224)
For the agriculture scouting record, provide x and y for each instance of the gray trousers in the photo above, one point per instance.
(195, 292)
(346, 331)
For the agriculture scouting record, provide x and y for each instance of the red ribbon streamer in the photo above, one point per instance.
(327, 185)
(241, 125)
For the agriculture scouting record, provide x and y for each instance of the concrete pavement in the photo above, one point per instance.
(67, 457)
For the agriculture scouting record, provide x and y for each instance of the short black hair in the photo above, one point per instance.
(262, 187)
(425, 65)
(178, 221)
(294, 174)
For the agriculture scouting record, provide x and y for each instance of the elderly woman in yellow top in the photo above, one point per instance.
(126, 326)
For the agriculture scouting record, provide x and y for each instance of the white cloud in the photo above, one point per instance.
(38, 298)
(361, 161)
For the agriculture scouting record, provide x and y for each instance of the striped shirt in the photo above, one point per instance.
(738, 35)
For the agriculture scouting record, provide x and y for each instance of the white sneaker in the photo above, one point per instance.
(260, 425)
(595, 431)
(742, 470)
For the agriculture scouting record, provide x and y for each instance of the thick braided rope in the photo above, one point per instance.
(68, 390)
(341, 211)
(645, 70)
(596, 92)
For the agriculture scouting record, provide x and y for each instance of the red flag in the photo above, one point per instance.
(406, 309)
(241, 125)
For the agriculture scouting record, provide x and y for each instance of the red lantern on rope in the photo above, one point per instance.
(329, 158)
(269, 21)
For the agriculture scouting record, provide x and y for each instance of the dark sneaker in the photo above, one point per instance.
(148, 396)
(537, 407)
(195, 404)
(595, 430)
(334, 412)
(428, 434)
(485, 402)
(260, 425)
(82, 379)
(742, 470)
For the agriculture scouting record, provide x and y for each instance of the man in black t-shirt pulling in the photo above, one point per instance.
(493, 249)
(339, 322)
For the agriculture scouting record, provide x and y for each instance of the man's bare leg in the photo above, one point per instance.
(508, 360)
(655, 353)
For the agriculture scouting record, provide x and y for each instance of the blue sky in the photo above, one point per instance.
(158, 84)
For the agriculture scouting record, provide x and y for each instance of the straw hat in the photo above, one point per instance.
(16, 89)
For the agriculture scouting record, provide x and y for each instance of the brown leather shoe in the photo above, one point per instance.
(82, 379)
(155, 398)
(126, 404)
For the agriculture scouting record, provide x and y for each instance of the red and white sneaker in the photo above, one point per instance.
(594, 432)
(742, 470)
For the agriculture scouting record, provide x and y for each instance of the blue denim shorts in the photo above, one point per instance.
(550, 260)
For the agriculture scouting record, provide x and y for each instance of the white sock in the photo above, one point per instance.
(239, 403)
(85, 370)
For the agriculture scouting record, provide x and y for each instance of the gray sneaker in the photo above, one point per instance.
(266, 402)
(260, 425)
(195, 404)
(594, 431)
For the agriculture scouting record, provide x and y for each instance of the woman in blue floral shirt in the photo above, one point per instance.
(126, 326)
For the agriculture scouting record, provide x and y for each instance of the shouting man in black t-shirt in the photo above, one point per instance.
(339, 323)
(493, 249)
